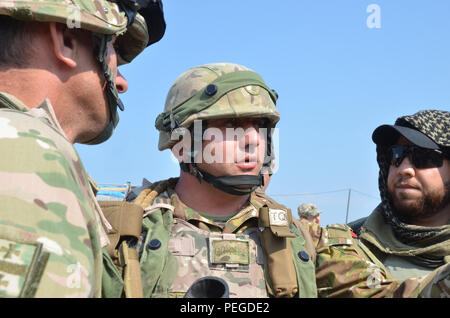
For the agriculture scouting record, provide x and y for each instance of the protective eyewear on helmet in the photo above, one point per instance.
(421, 158)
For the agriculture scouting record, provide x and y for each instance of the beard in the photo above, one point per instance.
(429, 204)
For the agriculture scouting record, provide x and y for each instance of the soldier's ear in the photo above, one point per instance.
(64, 44)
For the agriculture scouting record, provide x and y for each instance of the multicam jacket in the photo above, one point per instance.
(51, 236)
(345, 267)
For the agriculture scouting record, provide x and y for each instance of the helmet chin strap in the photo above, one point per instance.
(111, 91)
(228, 184)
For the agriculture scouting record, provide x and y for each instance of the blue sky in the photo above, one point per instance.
(337, 80)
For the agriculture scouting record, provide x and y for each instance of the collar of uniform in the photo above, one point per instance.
(106, 225)
(179, 210)
(192, 215)
(247, 214)
(186, 213)
(182, 211)
(11, 102)
(244, 215)
(46, 112)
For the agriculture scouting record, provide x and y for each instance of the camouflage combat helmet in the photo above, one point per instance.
(308, 210)
(119, 17)
(212, 91)
(129, 20)
(427, 129)
(215, 91)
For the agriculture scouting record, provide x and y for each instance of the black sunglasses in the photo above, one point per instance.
(421, 158)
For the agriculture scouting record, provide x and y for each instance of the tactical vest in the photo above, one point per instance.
(273, 259)
(236, 258)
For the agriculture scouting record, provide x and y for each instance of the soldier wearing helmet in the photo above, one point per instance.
(59, 84)
(309, 212)
(213, 220)
(215, 224)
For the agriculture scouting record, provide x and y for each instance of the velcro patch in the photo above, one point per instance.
(339, 241)
(182, 246)
(338, 226)
(278, 217)
(230, 251)
(21, 267)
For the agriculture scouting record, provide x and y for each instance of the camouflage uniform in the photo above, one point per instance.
(191, 245)
(51, 236)
(176, 248)
(52, 230)
(408, 250)
(177, 244)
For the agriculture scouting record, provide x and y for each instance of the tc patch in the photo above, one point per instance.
(21, 266)
(278, 217)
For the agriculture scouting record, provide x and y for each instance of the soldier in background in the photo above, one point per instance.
(409, 231)
(212, 220)
(59, 85)
(309, 212)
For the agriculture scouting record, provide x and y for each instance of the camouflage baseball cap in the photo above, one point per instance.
(213, 91)
(427, 129)
(308, 210)
(99, 16)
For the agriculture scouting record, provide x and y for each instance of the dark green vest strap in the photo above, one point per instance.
(304, 266)
(158, 266)
(112, 282)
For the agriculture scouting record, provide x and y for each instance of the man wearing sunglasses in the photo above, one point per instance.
(409, 231)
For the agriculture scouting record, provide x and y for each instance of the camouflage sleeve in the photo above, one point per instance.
(345, 268)
(49, 236)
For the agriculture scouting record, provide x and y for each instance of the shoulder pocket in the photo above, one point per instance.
(339, 234)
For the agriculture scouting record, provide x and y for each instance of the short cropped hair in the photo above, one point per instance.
(15, 42)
